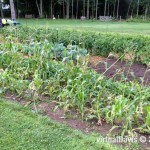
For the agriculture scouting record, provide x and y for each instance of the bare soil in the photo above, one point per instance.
(112, 68)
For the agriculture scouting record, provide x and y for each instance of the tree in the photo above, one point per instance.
(105, 8)
(145, 5)
(67, 8)
(72, 9)
(40, 8)
(118, 8)
(96, 8)
(93, 9)
(129, 7)
(12, 8)
(51, 8)
(87, 14)
(77, 7)
(1, 10)
(83, 7)
(114, 9)
(138, 3)
(108, 8)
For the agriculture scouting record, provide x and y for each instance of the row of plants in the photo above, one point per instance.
(96, 43)
(38, 70)
(141, 19)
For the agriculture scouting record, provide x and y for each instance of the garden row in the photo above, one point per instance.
(135, 46)
(31, 70)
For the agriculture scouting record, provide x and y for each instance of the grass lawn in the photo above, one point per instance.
(96, 26)
(22, 130)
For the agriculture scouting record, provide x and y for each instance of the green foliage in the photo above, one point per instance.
(60, 52)
(96, 43)
(140, 19)
(31, 71)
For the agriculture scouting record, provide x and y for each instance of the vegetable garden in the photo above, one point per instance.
(43, 62)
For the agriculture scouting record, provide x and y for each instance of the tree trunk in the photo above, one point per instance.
(138, 3)
(129, 8)
(96, 9)
(1, 10)
(146, 10)
(77, 9)
(51, 8)
(13, 14)
(132, 10)
(114, 9)
(92, 10)
(40, 8)
(94, 5)
(88, 9)
(118, 9)
(105, 8)
(108, 9)
(63, 9)
(72, 9)
(83, 7)
(67, 9)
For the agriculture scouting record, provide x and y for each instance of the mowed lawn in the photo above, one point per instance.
(96, 26)
(20, 129)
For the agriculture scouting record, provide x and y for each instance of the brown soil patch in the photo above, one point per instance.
(71, 119)
(95, 59)
(112, 68)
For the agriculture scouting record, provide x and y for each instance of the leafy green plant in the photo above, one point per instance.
(71, 52)
(96, 43)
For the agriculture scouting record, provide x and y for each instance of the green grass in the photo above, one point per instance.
(96, 26)
(22, 130)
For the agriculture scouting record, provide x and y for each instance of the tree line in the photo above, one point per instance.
(76, 8)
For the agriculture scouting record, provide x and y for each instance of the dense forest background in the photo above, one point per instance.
(76, 8)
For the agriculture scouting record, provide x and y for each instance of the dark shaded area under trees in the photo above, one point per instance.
(76, 8)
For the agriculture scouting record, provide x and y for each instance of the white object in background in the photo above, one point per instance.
(5, 6)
